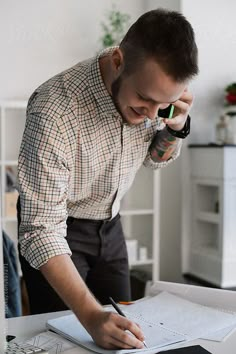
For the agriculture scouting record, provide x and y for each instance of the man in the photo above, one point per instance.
(88, 131)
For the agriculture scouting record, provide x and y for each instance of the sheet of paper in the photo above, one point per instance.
(182, 316)
(51, 342)
(221, 335)
(155, 335)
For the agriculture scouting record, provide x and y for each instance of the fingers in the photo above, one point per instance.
(127, 332)
(181, 111)
(186, 97)
(115, 343)
(116, 331)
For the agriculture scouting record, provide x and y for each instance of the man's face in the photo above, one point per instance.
(144, 92)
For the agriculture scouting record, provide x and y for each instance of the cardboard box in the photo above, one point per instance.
(132, 249)
(10, 204)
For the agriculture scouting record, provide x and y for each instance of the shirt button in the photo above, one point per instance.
(146, 139)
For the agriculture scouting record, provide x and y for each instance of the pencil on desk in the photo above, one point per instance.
(116, 307)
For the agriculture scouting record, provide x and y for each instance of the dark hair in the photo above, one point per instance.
(165, 36)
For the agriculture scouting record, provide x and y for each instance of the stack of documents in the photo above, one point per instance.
(165, 319)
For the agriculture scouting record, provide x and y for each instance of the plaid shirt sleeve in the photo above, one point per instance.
(43, 178)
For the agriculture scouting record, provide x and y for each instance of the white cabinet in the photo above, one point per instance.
(140, 220)
(12, 122)
(212, 246)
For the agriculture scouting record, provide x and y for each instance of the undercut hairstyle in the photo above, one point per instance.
(168, 38)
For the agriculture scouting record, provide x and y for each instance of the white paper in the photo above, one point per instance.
(155, 335)
(221, 335)
(51, 342)
(182, 316)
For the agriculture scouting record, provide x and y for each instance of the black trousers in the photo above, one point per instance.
(98, 252)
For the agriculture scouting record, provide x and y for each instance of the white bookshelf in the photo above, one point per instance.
(140, 220)
(12, 122)
(212, 241)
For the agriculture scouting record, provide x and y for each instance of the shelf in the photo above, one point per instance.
(208, 217)
(141, 263)
(13, 104)
(9, 163)
(136, 212)
(9, 219)
(208, 252)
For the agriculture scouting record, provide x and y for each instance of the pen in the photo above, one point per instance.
(116, 307)
(171, 111)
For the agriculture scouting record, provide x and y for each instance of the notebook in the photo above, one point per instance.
(174, 320)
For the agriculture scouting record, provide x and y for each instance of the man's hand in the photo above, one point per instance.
(111, 331)
(181, 111)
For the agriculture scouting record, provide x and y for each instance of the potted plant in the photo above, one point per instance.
(230, 99)
(230, 111)
(114, 28)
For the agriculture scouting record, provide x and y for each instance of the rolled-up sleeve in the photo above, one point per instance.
(43, 178)
(148, 162)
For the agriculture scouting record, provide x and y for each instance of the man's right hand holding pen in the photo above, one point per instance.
(111, 331)
(108, 329)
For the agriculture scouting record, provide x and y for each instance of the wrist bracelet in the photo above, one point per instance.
(181, 133)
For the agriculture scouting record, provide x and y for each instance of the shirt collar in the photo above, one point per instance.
(102, 96)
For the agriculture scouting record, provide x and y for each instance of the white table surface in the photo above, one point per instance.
(28, 326)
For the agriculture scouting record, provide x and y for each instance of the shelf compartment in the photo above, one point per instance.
(206, 266)
(139, 228)
(205, 237)
(208, 217)
(206, 198)
(140, 195)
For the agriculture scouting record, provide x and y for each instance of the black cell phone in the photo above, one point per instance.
(194, 349)
(9, 338)
(164, 113)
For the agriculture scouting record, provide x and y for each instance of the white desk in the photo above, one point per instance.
(29, 326)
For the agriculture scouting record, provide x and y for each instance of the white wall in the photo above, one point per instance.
(168, 4)
(41, 38)
(214, 24)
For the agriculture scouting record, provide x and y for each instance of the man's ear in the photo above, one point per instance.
(117, 61)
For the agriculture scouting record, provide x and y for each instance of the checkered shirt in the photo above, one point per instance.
(77, 158)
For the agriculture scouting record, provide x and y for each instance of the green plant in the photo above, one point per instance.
(114, 28)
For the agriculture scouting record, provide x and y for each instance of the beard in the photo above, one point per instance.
(115, 89)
